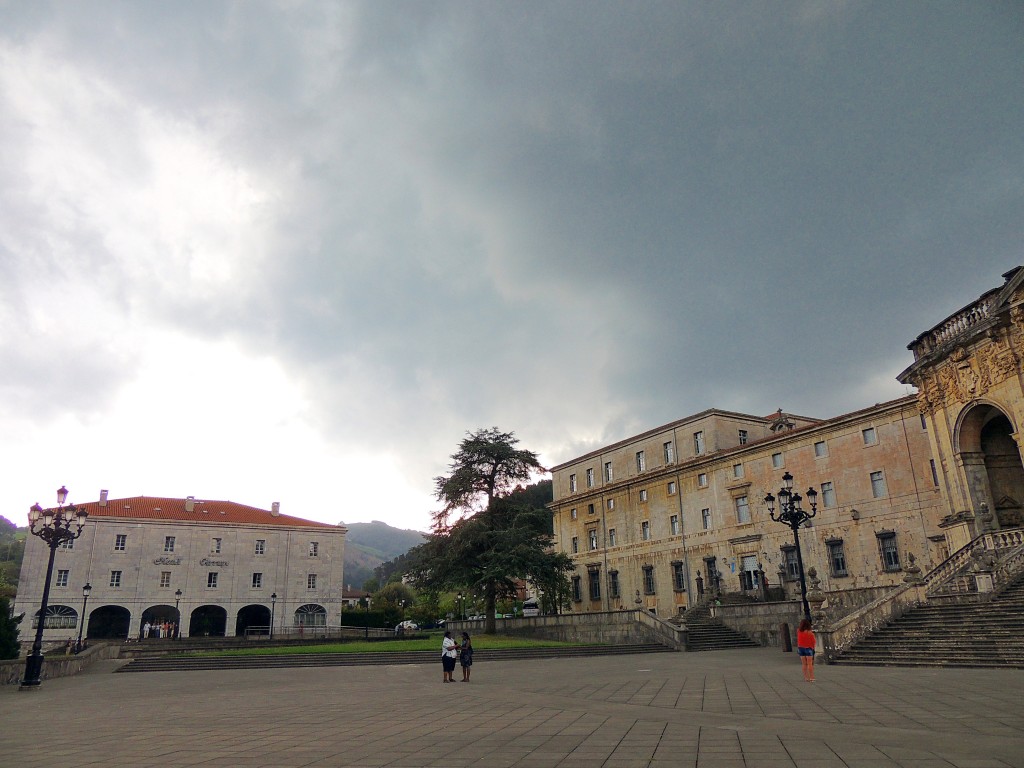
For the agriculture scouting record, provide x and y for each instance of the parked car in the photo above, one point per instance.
(407, 626)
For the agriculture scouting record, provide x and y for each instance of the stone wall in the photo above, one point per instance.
(604, 627)
(58, 664)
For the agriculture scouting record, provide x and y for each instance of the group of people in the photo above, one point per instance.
(452, 651)
(159, 629)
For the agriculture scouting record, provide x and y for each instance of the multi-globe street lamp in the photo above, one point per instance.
(462, 605)
(273, 603)
(366, 615)
(81, 625)
(56, 526)
(177, 600)
(792, 514)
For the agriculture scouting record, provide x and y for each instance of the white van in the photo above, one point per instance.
(531, 607)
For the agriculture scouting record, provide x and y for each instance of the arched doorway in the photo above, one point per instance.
(208, 620)
(992, 463)
(109, 622)
(162, 619)
(252, 616)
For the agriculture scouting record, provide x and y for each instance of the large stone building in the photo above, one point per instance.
(208, 567)
(657, 518)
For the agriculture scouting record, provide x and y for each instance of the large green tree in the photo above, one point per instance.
(8, 631)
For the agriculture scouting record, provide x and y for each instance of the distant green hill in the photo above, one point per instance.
(370, 544)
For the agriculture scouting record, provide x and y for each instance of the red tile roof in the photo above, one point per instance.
(203, 511)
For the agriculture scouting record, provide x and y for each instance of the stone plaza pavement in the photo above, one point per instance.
(722, 709)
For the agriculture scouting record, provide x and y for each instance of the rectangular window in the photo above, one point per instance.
(611, 503)
(311, 581)
(836, 557)
(649, 580)
(572, 513)
(878, 489)
(935, 473)
(257, 581)
(62, 578)
(314, 549)
(828, 495)
(705, 519)
(924, 424)
(643, 495)
(678, 577)
(577, 592)
(168, 543)
(671, 487)
(572, 483)
(261, 547)
(611, 537)
(592, 535)
(737, 470)
(645, 530)
(613, 584)
(215, 546)
(641, 462)
(742, 509)
(698, 442)
(67, 544)
(702, 480)
(790, 562)
(777, 460)
(211, 580)
(575, 544)
(607, 471)
(888, 551)
(674, 524)
(590, 478)
(820, 449)
(115, 579)
(670, 452)
(590, 509)
(120, 540)
(743, 437)
(165, 579)
(594, 579)
(870, 438)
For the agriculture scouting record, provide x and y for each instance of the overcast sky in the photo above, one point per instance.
(295, 251)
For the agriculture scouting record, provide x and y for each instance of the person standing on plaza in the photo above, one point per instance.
(466, 656)
(805, 644)
(449, 652)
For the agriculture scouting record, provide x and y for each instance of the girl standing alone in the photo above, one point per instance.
(805, 643)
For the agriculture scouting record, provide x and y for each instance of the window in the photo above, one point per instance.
(669, 452)
(572, 483)
(572, 513)
(888, 550)
(57, 617)
(261, 547)
(311, 581)
(645, 530)
(611, 537)
(168, 543)
(671, 487)
(594, 579)
(678, 577)
(590, 478)
(828, 495)
(115, 579)
(674, 524)
(702, 480)
(924, 424)
(211, 580)
(62, 578)
(314, 549)
(641, 462)
(257, 581)
(577, 593)
(777, 460)
(613, 584)
(215, 545)
(742, 509)
(643, 495)
(870, 438)
(790, 563)
(590, 509)
(592, 535)
(648, 579)
(67, 544)
(836, 557)
(607, 471)
(165, 579)
(935, 474)
(705, 519)
(743, 437)
(611, 503)
(737, 470)
(575, 544)
(820, 450)
(698, 442)
(120, 540)
(878, 489)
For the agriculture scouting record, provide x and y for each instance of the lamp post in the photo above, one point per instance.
(462, 605)
(177, 600)
(366, 615)
(273, 603)
(55, 527)
(81, 625)
(792, 514)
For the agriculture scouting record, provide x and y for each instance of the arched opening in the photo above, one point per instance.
(256, 616)
(311, 615)
(109, 622)
(992, 463)
(208, 620)
(57, 617)
(159, 621)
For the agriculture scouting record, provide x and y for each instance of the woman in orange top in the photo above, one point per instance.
(805, 643)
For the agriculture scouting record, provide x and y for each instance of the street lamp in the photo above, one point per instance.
(81, 625)
(56, 526)
(273, 603)
(462, 605)
(366, 615)
(177, 599)
(792, 514)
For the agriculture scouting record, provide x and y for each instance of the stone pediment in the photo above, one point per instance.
(1007, 502)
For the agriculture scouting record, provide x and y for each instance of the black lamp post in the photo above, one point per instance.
(462, 605)
(273, 603)
(81, 625)
(366, 615)
(177, 600)
(792, 514)
(55, 527)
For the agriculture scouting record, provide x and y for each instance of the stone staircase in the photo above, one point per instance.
(708, 634)
(956, 634)
(165, 663)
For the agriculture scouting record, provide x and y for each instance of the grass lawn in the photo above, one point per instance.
(433, 643)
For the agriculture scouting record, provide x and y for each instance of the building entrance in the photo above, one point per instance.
(992, 463)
